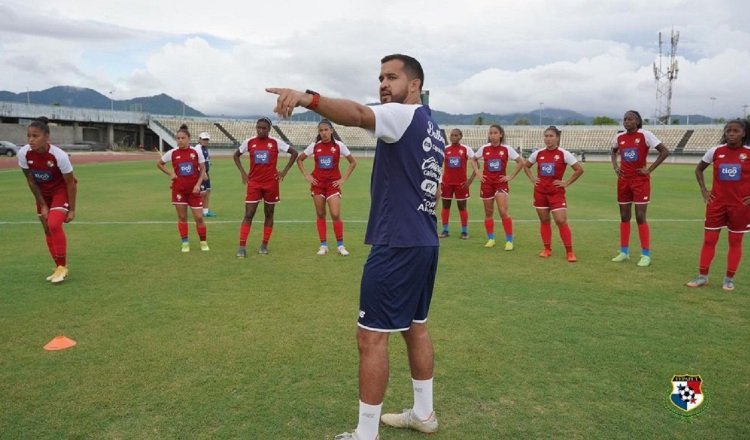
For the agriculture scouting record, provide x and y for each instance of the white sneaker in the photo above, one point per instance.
(408, 419)
(60, 274)
(342, 250)
(323, 250)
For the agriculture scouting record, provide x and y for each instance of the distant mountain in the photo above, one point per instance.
(67, 96)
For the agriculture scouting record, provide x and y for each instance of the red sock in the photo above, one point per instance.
(645, 235)
(464, 217)
(320, 223)
(267, 233)
(545, 229)
(708, 250)
(489, 225)
(508, 226)
(201, 232)
(735, 253)
(624, 234)
(55, 220)
(566, 236)
(183, 229)
(445, 215)
(338, 230)
(244, 232)
(50, 246)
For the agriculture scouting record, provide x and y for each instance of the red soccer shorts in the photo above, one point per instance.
(735, 217)
(268, 192)
(457, 192)
(552, 201)
(634, 190)
(488, 189)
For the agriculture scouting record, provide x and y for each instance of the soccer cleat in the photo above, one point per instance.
(209, 213)
(490, 243)
(185, 246)
(508, 245)
(60, 274)
(241, 252)
(444, 234)
(53, 274)
(699, 281)
(342, 250)
(645, 261)
(464, 236)
(545, 253)
(323, 250)
(350, 436)
(263, 249)
(728, 284)
(204, 246)
(622, 256)
(572, 257)
(409, 420)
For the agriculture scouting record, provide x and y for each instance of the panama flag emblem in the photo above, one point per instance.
(686, 393)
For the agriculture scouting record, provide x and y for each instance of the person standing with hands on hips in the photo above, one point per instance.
(634, 181)
(728, 201)
(455, 184)
(187, 174)
(399, 274)
(326, 181)
(262, 180)
(49, 174)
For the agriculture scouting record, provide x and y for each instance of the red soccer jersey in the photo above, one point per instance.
(633, 149)
(731, 182)
(495, 161)
(327, 156)
(264, 155)
(456, 158)
(185, 163)
(47, 168)
(551, 165)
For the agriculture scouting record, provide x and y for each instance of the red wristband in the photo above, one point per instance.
(315, 100)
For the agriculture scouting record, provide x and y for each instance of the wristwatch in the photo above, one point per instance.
(315, 99)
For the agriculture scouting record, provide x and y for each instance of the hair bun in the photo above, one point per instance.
(42, 119)
(183, 127)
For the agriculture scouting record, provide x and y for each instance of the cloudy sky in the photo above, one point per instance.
(592, 56)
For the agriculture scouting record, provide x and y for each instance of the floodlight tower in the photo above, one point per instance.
(665, 73)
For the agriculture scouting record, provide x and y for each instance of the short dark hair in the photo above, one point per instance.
(412, 67)
(266, 120)
(40, 123)
(638, 115)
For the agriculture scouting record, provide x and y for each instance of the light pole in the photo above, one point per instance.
(744, 111)
(111, 101)
(713, 101)
(540, 113)
(28, 98)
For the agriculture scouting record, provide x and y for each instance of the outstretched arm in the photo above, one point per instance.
(339, 111)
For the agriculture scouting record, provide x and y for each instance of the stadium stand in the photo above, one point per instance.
(197, 126)
(703, 138)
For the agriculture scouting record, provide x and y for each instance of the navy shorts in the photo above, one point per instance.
(397, 287)
(206, 185)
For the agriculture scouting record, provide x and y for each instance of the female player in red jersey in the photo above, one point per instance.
(187, 174)
(262, 180)
(454, 183)
(326, 181)
(49, 175)
(549, 190)
(634, 181)
(728, 200)
(494, 188)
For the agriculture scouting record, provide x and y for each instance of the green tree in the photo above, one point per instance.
(603, 120)
(575, 122)
(521, 121)
(479, 121)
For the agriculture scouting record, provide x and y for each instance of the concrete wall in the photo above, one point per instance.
(58, 135)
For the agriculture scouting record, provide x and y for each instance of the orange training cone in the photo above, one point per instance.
(59, 343)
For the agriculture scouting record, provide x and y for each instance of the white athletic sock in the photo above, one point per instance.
(205, 211)
(369, 420)
(422, 398)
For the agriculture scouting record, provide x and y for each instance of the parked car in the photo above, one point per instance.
(8, 148)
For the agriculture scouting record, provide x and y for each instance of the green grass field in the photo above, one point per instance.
(203, 345)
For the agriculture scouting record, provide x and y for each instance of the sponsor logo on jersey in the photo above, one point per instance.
(431, 168)
(325, 162)
(42, 176)
(186, 169)
(261, 157)
(429, 186)
(630, 155)
(547, 169)
(494, 165)
(730, 172)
